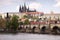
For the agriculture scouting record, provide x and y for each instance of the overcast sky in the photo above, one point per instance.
(40, 5)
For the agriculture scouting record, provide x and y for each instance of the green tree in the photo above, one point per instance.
(15, 22)
(2, 23)
(8, 24)
(26, 22)
(25, 16)
(21, 23)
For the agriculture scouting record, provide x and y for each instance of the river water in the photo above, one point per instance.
(26, 36)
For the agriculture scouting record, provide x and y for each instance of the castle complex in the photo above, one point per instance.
(37, 21)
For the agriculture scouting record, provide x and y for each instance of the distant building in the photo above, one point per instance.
(35, 14)
(25, 9)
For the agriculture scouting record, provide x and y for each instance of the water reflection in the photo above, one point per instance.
(25, 36)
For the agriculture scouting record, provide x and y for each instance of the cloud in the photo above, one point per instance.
(57, 3)
(5, 2)
(35, 5)
(17, 8)
(10, 2)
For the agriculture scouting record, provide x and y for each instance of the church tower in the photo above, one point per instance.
(23, 8)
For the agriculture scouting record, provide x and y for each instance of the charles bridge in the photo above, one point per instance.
(41, 27)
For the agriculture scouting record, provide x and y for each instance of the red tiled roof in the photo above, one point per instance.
(23, 19)
(32, 22)
(34, 13)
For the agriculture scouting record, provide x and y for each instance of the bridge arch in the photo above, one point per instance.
(43, 28)
(55, 29)
(33, 29)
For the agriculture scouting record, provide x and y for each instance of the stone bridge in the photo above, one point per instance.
(41, 27)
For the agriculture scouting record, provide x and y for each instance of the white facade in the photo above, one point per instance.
(12, 13)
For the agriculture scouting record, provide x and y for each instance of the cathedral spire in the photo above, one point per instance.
(25, 7)
(20, 9)
(28, 9)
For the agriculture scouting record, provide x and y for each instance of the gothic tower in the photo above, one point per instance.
(25, 7)
(20, 10)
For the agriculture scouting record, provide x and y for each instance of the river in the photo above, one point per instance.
(26, 36)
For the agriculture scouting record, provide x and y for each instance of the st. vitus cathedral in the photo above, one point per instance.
(25, 9)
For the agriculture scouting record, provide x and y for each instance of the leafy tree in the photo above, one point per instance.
(25, 16)
(8, 24)
(21, 23)
(2, 23)
(14, 22)
(26, 22)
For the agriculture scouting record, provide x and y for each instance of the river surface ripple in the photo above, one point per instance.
(26, 36)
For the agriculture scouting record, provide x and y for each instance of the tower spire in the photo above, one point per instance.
(20, 8)
(28, 9)
(25, 7)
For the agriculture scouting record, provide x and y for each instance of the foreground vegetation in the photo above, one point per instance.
(11, 23)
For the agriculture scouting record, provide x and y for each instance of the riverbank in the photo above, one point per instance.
(28, 33)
